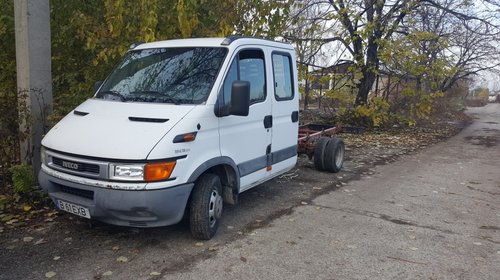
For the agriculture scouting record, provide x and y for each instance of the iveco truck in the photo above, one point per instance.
(178, 128)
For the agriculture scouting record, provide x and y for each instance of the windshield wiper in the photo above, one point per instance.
(111, 95)
(169, 99)
(158, 97)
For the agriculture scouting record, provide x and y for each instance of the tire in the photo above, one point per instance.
(206, 206)
(334, 155)
(319, 153)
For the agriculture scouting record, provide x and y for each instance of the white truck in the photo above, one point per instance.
(178, 128)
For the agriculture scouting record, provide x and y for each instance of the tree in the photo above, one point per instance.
(363, 29)
(9, 129)
(306, 21)
(459, 44)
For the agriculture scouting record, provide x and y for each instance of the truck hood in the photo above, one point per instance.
(114, 130)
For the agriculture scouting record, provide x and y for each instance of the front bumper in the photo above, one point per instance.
(135, 208)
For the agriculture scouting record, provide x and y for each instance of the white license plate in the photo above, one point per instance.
(73, 209)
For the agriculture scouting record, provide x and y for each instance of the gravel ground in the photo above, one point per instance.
(51, 241)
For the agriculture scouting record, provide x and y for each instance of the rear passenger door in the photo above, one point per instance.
(285, 111)
(247, 139)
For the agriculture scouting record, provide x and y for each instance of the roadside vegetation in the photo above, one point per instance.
(376, 65)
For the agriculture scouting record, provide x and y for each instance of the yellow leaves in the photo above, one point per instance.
(122, 259)
(377, 111)
(186, 17)
(114, 14)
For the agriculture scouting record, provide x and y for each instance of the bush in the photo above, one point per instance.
(23, 178)
(374, 114)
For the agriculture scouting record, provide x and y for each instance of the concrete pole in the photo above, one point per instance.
(34, 79)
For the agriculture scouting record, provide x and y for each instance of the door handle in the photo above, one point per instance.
(295, 116)
(268, 121)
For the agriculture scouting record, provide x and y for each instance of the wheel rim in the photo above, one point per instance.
(339, 156)
(214, 207)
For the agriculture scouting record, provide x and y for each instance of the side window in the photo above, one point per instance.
(248, 65)
(283, 80)
(232, 76)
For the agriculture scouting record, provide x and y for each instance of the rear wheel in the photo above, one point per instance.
(334, 155)
(206, 207)
(319, 153)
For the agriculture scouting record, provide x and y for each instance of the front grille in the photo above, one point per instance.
(78, 192)
(76, 166)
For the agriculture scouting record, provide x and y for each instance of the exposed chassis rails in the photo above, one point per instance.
(310, 133)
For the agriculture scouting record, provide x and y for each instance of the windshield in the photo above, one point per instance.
(168, 75)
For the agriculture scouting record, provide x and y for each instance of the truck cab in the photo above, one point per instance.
(178, 127)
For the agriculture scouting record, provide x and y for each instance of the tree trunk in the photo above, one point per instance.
(364, 87)
(370, 68)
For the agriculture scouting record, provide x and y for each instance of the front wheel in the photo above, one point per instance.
(206, 207)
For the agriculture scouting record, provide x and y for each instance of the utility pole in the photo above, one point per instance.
(34, 78)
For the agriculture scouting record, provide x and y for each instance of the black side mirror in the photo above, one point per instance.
(240, 98)
(97, 85)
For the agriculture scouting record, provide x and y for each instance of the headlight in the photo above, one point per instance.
(128, 172)
(149, 172)
(43, 156)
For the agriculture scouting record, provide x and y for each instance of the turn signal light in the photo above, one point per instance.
(187, 137)
(158, 171)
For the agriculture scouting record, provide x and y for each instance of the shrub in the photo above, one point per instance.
(374, 114)
(23, 178)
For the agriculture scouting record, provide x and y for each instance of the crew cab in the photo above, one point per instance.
(177, 128)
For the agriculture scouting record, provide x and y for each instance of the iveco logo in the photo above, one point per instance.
(70, 165)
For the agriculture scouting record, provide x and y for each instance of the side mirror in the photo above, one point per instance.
(240, 98)
(97, 85)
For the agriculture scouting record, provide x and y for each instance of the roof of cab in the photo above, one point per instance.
(212, 42)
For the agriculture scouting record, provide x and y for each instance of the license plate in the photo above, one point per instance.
(73, 209)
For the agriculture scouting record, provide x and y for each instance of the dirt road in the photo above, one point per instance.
(430, 215)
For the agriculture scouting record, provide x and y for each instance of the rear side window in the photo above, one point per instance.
(248, 65)
(282, 70)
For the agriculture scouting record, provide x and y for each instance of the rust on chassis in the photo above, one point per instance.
(310, 133)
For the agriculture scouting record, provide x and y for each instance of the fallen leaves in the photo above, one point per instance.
(50, 274)
(154, 273)
(122, 259)
(27, 239)
(213, 248)
(107, 273)
(18, 211)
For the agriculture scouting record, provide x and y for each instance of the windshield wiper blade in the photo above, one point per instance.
(157, 97)
(170, 99)
(111, 95)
